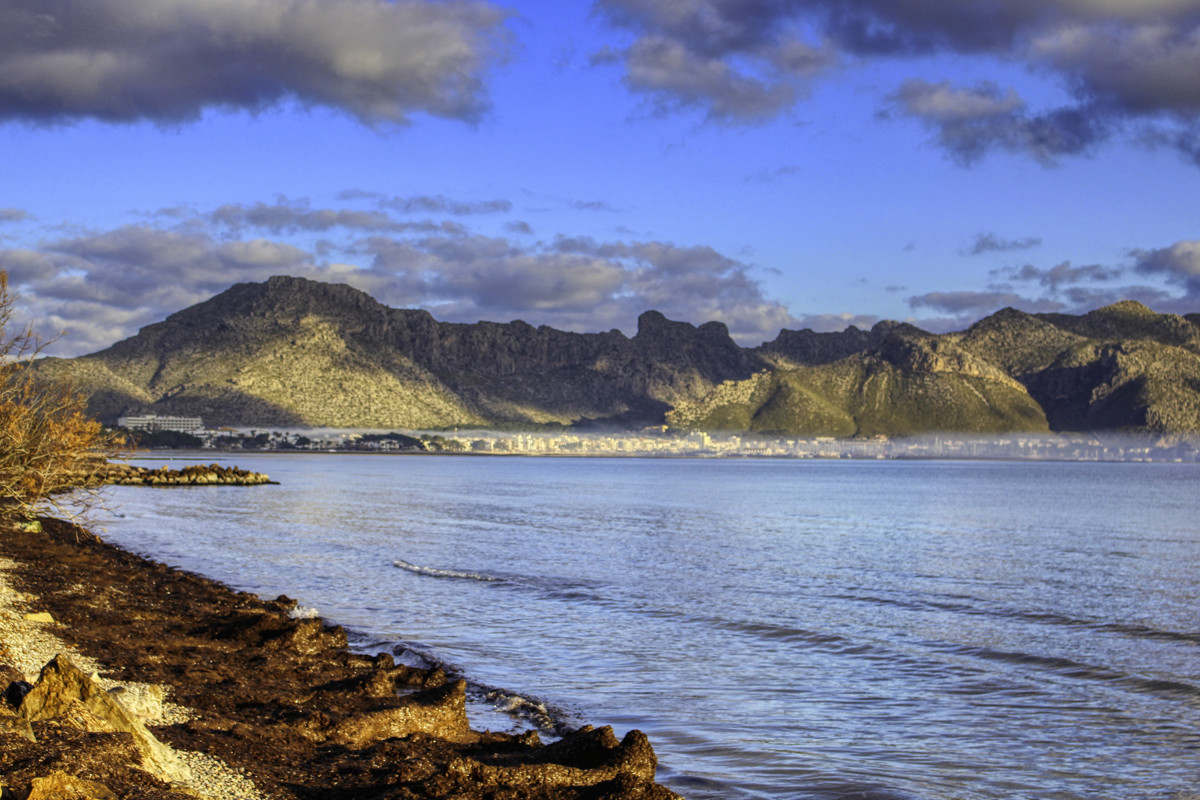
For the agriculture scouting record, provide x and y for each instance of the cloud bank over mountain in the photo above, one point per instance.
(102, 285)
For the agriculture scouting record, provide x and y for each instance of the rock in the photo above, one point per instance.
(380, 683)
(383, 679)
(78, 716)
(440, 712)
(38, 616)
(144, 700)
(588, 757)
(13, 725)
(214, 475)
(305, 636)
(61, 786)
(63, 690)
(16, 692)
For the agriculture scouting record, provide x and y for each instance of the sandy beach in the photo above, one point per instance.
(221, 694)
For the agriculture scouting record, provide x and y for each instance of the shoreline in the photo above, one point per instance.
(183, 454)
(269, 698)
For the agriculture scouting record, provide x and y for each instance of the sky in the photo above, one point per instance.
(766, 163)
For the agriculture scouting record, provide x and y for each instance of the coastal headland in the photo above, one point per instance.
(272, 698)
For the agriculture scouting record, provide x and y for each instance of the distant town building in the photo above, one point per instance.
(153, 422)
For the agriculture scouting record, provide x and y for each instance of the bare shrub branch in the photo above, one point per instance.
(50, 448)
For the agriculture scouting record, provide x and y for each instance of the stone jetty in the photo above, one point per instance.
(193, 475)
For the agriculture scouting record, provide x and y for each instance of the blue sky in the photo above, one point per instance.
(766, 163)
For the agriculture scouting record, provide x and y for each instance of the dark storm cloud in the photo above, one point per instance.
(1147, 67)
(168, 60)
(744, 61)
(121, 266)
(991, 243)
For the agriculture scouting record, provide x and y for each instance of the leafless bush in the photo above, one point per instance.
(49, 446)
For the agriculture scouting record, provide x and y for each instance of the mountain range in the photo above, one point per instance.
(291, 352)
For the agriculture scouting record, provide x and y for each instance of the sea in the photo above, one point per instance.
(879, 630)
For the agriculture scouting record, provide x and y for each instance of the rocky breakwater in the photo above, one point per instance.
(275, 695)
(194, 475)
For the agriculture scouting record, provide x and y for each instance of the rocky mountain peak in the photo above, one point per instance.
(652, 324)
(292, 351)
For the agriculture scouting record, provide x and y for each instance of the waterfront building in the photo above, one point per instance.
(153, 422)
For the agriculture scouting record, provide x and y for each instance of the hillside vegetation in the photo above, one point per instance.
(295, 352)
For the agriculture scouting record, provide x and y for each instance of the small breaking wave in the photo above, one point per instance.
(434, 572)
(544, 586)
(528, 710)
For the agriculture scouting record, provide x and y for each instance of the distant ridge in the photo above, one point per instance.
(296, 352)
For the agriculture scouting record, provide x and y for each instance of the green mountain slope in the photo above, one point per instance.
(296, 352)
(1120, 367)
(290, 351)
(911, 383)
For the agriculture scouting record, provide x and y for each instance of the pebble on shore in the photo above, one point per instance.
(280, 697)
(28, 642)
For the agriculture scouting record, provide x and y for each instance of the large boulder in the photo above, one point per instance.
(63, 691)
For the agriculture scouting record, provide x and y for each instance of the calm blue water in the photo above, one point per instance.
(780, 629)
